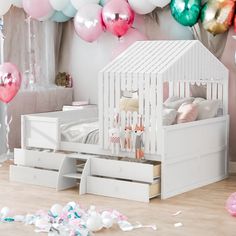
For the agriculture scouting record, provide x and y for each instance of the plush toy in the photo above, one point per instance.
(138, 140)
(115, 136)
(128, 138)
(64, 79)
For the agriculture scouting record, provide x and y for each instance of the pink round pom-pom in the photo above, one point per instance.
(231, 204)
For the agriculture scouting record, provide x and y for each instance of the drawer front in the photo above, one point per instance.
(47, 160)
(34, 176)
(124, 170)
(119, 189)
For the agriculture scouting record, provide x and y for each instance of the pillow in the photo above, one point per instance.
(187, 113)
(129, 104)
(168, 116)
(198, 100)
(176, 102)
(198, 91)
(208, 109)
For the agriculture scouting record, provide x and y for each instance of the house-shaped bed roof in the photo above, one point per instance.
(188, 60)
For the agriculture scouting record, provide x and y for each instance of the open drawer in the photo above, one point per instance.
(126, 168)
(123, 189)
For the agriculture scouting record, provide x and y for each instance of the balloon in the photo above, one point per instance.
(58, 16)
(69, 11)
(118, 17)
(5, 6)
(235, 23)
(88, 22)
(10, 82)
(231, 204)
(38, 9)
(160, 3)
(217, 15)
(79, 3)
(4, 212)
(141, 6)
(59, 4)
(94, 222)
(186, 12)
(56, 210)
(103, 2)
(127, 40)
(17, 3)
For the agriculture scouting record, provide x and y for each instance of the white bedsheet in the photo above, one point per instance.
(80, 132)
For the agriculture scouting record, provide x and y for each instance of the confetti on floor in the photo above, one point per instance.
(72, 220)
(177, 213)
(177, 225)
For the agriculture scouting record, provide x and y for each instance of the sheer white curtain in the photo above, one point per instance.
(46, 45)
(46, 38)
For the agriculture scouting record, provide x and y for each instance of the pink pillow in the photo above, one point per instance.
(187, 113)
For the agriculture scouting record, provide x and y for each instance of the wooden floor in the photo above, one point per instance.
(203, 212)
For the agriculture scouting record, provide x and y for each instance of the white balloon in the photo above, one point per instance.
(59, 4)
(56, 210)
(4, 6)
(141, 6)
(17, 3)
(78, 3)
(160, 3)
(5, 211)
(94, 222)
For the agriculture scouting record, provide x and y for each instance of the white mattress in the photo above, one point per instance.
(81, 132)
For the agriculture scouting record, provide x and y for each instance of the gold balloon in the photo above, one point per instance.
(217, 15)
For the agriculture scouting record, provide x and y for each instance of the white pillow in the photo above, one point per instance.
(208, 109)
(168, 116)
(176, 102)
(198, 100)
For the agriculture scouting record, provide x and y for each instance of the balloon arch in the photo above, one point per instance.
(93, 17)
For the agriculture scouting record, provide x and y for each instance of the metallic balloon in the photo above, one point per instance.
(118, 17)
(88, 22)
(186, 12)
(10, 82)
(235, 23)
(217, 15)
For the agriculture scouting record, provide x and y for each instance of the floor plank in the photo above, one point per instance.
(203, 211)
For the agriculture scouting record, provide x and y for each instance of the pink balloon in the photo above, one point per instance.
(231, 204)
(88, 22)
(127, 40)
(38, 9)
(118, 17)
(10, 82)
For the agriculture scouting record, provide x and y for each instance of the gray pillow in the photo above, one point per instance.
(168, 116)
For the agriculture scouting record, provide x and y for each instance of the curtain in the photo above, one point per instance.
(46, 45)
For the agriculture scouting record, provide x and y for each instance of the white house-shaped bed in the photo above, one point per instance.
(192, 154)
(189, 155)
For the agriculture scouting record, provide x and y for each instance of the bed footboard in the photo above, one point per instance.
(40, 132)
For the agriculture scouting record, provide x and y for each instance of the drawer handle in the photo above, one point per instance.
(120, 169)
(39, 159)
(35, 177)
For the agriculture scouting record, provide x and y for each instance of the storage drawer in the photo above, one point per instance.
(122, 189)
(34, 176)
(41, 159)
(131, 170)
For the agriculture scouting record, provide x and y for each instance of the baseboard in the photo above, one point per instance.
(232, 167)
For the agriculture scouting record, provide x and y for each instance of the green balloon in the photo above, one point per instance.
(186, 12)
